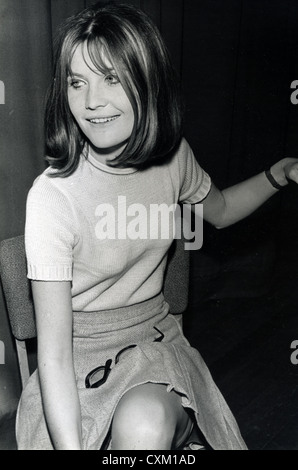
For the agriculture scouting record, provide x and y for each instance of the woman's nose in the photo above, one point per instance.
(96, 97)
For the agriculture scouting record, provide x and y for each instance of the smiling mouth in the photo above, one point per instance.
(103, 120)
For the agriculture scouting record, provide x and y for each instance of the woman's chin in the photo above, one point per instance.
(108, 152)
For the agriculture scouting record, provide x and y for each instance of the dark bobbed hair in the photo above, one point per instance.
(134, 47)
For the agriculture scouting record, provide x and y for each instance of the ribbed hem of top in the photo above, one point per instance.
(49, 273)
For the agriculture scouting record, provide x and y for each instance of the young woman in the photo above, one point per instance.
(114, 369)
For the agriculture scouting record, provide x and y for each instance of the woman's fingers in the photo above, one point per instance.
(291, 171)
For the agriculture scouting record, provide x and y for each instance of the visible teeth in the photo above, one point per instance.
(103, 120)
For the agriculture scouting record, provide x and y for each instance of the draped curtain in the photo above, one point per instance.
(236, 60)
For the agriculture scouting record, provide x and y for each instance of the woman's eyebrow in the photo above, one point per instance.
(72, 74)
(107, 70)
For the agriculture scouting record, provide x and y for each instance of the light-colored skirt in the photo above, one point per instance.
(161, 355)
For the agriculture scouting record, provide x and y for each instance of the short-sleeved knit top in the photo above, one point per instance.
(98, 227)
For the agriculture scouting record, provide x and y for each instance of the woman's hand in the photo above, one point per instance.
(285, 170)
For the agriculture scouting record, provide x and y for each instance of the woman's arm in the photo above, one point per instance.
(53, 308)
(224, 208)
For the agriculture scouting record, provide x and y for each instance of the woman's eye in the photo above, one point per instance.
(74, 83)
(112, 79)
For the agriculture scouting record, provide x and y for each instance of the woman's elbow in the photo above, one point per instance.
(218, 223)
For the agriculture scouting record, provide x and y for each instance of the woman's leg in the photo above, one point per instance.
(150, 418)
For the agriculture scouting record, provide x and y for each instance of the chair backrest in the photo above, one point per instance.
(16, 288)
(176, 283)
(18, 296)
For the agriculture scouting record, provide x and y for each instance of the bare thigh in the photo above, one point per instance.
(150, 417)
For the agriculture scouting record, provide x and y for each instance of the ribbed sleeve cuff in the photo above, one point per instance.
(206, 185)
(49, 273)
(203, 190)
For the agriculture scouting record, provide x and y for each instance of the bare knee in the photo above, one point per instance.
(144, 420)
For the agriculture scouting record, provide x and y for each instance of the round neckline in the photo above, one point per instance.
(109, 169)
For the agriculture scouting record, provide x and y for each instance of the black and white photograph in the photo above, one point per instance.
(148, 227)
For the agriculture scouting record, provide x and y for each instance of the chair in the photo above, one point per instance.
(17, 291)
(17, 294)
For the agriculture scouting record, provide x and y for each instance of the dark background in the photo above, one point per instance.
(236, 60)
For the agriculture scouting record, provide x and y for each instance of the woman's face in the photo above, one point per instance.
(100, 106)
